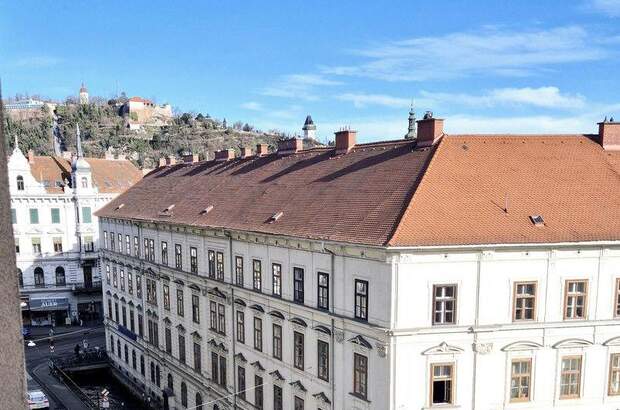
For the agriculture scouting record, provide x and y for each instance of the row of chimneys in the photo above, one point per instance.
(430, 131)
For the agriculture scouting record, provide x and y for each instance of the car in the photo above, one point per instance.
(25, 332)
(37, 400)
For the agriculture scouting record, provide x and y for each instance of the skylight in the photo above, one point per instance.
(207, 210)
(537, 220)
(276, 216)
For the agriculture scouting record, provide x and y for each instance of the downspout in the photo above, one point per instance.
(332, 349)
(232, 318)
(475, 330)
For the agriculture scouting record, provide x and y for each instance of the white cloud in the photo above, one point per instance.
(362, 100)
(298, 86)
(546, 97)
(252, 106)
(35, 62)
(490, 50)
(609, 7)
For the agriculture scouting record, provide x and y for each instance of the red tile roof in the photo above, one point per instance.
(109, 176)
(397, 195)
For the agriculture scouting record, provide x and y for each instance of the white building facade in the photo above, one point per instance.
(227, 318)
(56, 236)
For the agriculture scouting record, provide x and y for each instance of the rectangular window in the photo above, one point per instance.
(240, 327)
(299, 403)
(132, 323)
(178, 257)
(258, 334)
(442, 383)
(444, 304)
(166, 293)
(152, 250)
(129, 282)
(223, 371)
(276, 275)
(195, 309)
(257, 275)
(360, 375)
(323, 291)
(241, 382)
(213, 315)
(182, 348)
(323, 360)
(136, 247)
(89, 246)
(14, 216)
(57, 245)
(86, 215)
(168, 340)
(211, 261)
(193, 260)
(139, 286)
(105, 239)
(140, 325)
(298, 285)
(34, 216)
(219, 257)
(116, 313)
(122, 279)
(112, 242)
(146, 249)
(114, 277)
(180, 304)
(120, 243)
(107, 273)
(614, 374)
(128, 244)
(124, 315)
(277, 341)
(575, 299)
(55, 215)
(36, 246)
(221, 319)
(524, 301)
(361, 299)
(570, 377)
(110, 309)
(258, 392)
(164, 253)
(278, 400)
(298, 350)
(151, 291)
(520, 380)
(215, 368)
(197, 357)
(239, 270)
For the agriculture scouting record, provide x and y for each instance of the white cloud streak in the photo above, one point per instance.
(299, 86)
(361, 100)
(252, 106)
(609, 7)
(491, 50)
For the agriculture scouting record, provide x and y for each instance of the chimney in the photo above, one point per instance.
(290, 146)
(31, 157)
(170, 160)
(609, 134)
(225, 155)
(430, 130)
(190, 158)
(345, 141)
(246, 152)
(162, 162)
(262, 150)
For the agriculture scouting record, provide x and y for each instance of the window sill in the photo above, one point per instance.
(360, 397)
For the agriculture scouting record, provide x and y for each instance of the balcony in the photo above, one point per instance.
(44, 287)
(86, 287)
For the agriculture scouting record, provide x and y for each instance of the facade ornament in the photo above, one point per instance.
(483, 348)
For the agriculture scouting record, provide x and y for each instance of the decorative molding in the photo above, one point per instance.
(573, 342)
(322, 397)
(299, 321)
(521, 345)
(322, 329)
(339, 336)
(297, 385)
(443, 348)
(614, 341)
(359, 340)
(381, 349)
(276, 375)
(482, 348)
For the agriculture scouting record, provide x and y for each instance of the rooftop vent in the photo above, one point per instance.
(345, 140)
(190, 158)
(225, 155)
(120, 206)
(246, 152)
(290, 146)
(609, 134)
(262, 150)
(275, 217)
(167, 211)
(537, 220)
(430, 130)
(207, 210)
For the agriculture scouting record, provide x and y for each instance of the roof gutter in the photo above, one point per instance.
(423, 248)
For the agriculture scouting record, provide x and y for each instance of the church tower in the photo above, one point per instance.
(83, 95)
(412, 132)
(309, 128)
(80, 168)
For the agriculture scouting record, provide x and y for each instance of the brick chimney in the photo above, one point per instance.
(170, 160)
(430, 130)
(162, 162)
(290, 146)
(345, 141)
(609, 134)
(190, 158)
(262, 150)
(225, 155)
(31, 157)
(246, 152)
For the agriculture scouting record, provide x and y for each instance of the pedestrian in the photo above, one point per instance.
(76, 349)
(81, 322)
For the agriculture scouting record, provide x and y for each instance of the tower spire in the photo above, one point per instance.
(78, 143)
(412, 133)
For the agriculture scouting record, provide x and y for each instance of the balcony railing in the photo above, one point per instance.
(95, 285)
(76, 286)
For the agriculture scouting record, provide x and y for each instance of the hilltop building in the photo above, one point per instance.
(446, 271)
(29, 108)
(141, 112)
(83, 95)
(56, 233)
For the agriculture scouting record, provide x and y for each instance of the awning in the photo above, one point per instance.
(44, 305)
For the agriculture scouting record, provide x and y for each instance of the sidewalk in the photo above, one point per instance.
(43, 331)
(56, 389)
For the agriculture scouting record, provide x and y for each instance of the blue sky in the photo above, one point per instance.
(488, 66)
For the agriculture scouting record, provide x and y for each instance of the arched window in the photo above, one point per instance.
(126, 355)
(20, 277)
(60, 276)
(39, 277)
(133, 358)
(170, 382)
(84, 182)
(20, 183)
(142, 371)
(199, 401)
(112, 343)
(152, 371)
(118, 348)
(157, 376)
(183, 394)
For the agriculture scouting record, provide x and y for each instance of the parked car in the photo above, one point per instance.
(26, 332)
(37, 400)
